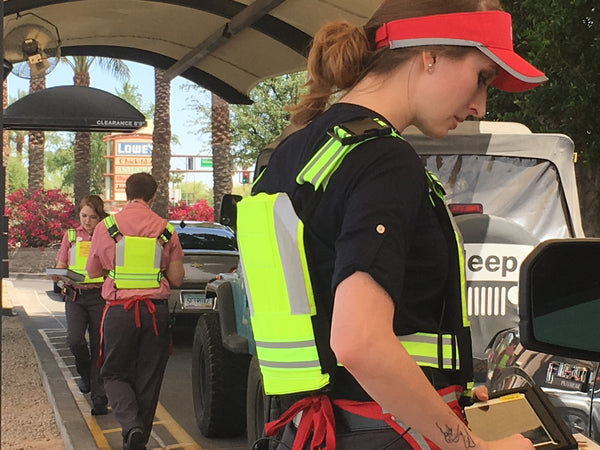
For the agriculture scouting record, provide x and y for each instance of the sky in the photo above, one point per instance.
(142, 76)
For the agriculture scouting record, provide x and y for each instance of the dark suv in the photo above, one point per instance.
(208, 249)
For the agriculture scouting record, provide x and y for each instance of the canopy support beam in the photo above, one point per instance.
(239, 22)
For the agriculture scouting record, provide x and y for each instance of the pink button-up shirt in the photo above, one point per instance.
(135, 219)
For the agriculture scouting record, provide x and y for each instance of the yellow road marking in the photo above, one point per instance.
(181, 436)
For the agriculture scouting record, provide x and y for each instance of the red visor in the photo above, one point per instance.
(488, 31)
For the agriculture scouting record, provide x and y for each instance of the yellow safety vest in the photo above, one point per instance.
(280, 295)
(137, 258)
(78, 256)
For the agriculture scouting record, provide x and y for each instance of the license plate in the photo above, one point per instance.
(195, 300)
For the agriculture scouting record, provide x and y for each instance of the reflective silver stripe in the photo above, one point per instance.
(286, 227)
(418, 437)
(297, 344)
(426, 338)
(447, 362)
(290, 365)
(451, 397)
(432, 339)
(316, 159)
(158, 255)
(326, 171)
(73, 254)
(120, 253)
(403, 43)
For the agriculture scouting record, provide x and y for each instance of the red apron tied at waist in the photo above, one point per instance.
(127, 305)
(318, 418)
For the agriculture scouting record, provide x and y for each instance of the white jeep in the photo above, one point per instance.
(511, 189)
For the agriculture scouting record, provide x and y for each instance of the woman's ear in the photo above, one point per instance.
(428, 58)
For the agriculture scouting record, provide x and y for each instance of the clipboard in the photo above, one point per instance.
(66, 275)
(524, 410)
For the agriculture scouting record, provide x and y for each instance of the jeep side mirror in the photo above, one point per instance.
(559, 298)
(229, 210)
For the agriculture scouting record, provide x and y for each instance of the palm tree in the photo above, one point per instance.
(37, 141)
(221, 142)
(5, 141)
(161, 142)
(81, 67)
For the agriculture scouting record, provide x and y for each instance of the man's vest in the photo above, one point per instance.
(78, 256)
(137, 258)
(280, 295)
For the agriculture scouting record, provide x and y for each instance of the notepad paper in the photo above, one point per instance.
(504, 416)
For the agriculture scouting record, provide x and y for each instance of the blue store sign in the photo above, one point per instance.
(134, 148)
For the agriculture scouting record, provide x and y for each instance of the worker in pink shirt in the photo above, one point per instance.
(84, 302)
(140, 254)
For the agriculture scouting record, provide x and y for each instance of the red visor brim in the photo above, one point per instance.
(488, 31)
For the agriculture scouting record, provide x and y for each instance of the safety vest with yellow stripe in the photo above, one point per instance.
(78, 256)
(137, 258)
(280, 295)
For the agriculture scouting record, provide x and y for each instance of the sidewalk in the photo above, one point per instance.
(59, 408)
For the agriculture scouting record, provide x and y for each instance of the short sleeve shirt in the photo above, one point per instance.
(375, 216)
(135, 219)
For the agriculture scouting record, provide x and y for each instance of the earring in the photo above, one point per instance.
(430, 68)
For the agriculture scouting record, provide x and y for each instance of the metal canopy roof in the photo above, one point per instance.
(72, 108)
(224, 46)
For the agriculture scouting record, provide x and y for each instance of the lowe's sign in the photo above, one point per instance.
(134, 148)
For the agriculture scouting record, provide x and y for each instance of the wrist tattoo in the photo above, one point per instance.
(452, 436)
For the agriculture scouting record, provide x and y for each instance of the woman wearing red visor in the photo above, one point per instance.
(384, 261)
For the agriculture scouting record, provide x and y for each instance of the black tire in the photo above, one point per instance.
(56, 288)
(256, 404)
(261, 408)
(218, 382)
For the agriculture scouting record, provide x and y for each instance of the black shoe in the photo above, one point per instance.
(135, 439)
(84, 385)
(99, 410)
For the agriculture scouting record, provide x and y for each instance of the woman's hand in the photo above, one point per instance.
(481, 393)
(514, 442)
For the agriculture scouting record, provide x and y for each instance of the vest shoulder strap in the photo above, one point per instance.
(112, 227)
(167, 233)
(358, 131)
(72, 235)
(342, 140)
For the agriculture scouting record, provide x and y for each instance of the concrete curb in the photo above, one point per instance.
(22, 275)
(72, 425)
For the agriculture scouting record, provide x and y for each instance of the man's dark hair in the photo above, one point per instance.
(140, 185)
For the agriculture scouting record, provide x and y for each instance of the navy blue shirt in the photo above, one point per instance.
(375, 216)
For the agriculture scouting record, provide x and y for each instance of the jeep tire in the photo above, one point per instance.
(256, 404)
(218, 382)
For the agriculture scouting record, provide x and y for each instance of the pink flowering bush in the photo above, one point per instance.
(38, 218)
(200, 210)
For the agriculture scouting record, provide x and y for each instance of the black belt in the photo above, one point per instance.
(80, 291)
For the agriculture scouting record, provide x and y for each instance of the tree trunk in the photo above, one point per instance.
(81, 175)
(588, 184)
(161, 143)
(82, 156)
(221, 143)
(5, 141)
(36, 144)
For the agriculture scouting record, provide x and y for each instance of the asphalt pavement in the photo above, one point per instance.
(42, 314)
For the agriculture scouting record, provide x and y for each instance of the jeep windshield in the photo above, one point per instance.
(524, 190)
